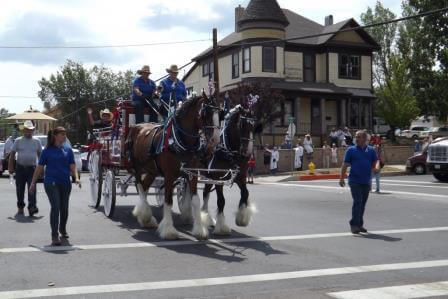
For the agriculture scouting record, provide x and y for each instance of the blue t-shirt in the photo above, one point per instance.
(146, 87)
(57, 161)
(180, 92)
(361, 160)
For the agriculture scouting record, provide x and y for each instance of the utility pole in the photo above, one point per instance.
(215, 60)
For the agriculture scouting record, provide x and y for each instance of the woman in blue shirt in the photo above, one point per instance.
(142, 91)
(172, 86)
(58, 161)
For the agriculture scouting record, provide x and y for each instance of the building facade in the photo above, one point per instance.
(326, 79)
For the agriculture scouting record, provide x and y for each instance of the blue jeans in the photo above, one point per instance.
(24, 176)
(360, 194)
(59, 195)
(140, 106)
(377, 177)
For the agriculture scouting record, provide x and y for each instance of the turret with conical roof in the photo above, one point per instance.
(263, 14)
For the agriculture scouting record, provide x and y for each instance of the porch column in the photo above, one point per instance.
(343, 104)
(349, 114)
(323, 115)
(297, 113)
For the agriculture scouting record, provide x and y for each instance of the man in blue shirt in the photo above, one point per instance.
(142, 91)
(362, 159)
(174, 87)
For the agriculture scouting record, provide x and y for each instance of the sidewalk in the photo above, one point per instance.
(323, 174)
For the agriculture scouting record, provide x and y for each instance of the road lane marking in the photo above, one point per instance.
(346, 189)
(212, 241)
(407, 185)
(423, 290)
(414, 182)
(190, 283)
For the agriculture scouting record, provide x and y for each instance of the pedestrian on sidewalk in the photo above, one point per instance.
(59, 163)
(28, 150)
(298, 156)
(334, 155)
(250, 169)
(326, 153)
(275, 156)
(308, 146)
(377, 175)
(362, 159)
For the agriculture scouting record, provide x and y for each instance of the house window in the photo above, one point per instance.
(309, 68)
(269, 60)
(235, 65)
(349, 66)
(246, 60)
(211, 73)
(205, 70)
(287, 111)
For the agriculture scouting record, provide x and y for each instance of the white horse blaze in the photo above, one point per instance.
(200, 227)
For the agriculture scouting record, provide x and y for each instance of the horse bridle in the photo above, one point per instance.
(250, 120)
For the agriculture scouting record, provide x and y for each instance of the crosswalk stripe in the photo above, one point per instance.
(211, 241)
(423, 290)
(189, 283)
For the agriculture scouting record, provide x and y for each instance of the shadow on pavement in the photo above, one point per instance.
(380, 237)
(228, 252)
(25, 219)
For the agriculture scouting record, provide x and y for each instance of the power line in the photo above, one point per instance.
(106, 46)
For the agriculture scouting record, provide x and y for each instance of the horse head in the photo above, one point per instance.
(238, 134)
(209, 116)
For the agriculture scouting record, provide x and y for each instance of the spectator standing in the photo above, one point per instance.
(334, 138)
(417, 147)
(275, 156)
(361, 158)
(308, 146)
(334, 155)
(267, 157)
(348, 137)
(298, 157)
(250, 169)
(341, 138)
(28, 150)
(377, 174)
(326, 153)
(59, 163)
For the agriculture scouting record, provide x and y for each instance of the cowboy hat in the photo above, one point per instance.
(144, 69)
(173, 69)
(106, 111)
(28, 125)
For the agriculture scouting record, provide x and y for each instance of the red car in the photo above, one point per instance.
(417, 163)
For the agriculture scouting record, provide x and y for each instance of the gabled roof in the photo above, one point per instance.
(264, 10)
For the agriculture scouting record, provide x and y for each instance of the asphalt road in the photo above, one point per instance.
(298, 246)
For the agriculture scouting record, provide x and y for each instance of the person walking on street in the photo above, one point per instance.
(59, 163)
(28, 150)
(326, 152)
(362, 159)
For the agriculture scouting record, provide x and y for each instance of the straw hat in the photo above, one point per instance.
(28, 125)
(144, 69)
(106, 111)
(173, 69)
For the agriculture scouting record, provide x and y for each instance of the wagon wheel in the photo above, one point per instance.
(96, 179)
(109, 193)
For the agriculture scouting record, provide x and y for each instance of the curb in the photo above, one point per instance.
(333, 176)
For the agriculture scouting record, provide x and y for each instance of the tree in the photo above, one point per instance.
(396, 102)
(75, 87)
(386, 36)
(268, 108)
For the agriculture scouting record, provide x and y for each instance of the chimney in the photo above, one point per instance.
(329, 20)
(239, 11)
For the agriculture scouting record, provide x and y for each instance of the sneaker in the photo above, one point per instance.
(55, 241)
(355, 230)
(33, 211)
(362, 229)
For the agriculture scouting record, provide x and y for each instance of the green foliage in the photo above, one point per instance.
(396, 102)
(74, 87)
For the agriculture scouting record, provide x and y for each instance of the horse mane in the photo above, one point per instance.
(186, 106)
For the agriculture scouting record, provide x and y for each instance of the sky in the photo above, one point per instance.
(101, 22)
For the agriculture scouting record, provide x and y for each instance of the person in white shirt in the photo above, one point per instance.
(334, 155)
(298, 157)
(326, 153)
(275, 156)
(308, 146)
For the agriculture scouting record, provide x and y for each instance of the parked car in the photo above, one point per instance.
(414, 132)
(437, 159)
(417, 163)
(76, 152)
(380, 126)
(436, 132)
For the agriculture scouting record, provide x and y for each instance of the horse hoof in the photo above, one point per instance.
(171, 234)
(221, 227)
(200, 232)
(210, 221)
(244, 215)
(186, 219)
(151, 224)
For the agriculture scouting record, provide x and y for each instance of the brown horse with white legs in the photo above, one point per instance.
(233, 153)
(160, 150)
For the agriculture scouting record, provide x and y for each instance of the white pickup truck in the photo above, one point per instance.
(437, 159)
(414, 132)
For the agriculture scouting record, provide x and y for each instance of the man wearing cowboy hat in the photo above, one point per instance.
(104, 122)
(143, 91)
(28, 151)
(172, 87)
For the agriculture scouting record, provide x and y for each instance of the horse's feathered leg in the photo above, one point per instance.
(206, 196)
(221, 227)
(246, 209)
(142, 211)
(200, 224)
(166, 228)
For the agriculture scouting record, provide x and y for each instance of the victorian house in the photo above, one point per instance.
(326, 79)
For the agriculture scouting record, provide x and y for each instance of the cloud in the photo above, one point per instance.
(41, 29)
(218, 15)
